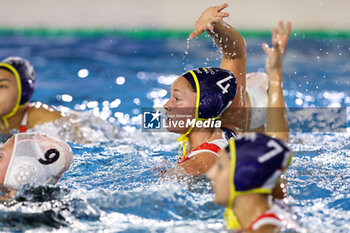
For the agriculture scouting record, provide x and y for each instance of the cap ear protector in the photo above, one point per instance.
(37, 158)
(25, 78)
(215, 89)
(257, 163)
(211, 105)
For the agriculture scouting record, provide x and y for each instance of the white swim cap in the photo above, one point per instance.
(37, 158)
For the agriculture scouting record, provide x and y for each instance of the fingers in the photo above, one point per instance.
(223, 14)
(274, 35)
(265, 47)
(212, 22)
(193, 35)
(281, 36)
(211, 25)
(276, 45)
(289, 27)
(288, 30)
(285, 37)
(280, 28)
(221, 7)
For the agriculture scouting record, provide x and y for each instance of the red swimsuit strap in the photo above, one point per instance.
(205, 146)
(208, 146)
(268, 218)
(23, 126)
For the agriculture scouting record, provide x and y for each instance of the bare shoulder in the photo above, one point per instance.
(200, 163)
(40, 113)
(267, 229)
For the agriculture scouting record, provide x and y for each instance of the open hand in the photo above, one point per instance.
(208, 19)
(279, 44)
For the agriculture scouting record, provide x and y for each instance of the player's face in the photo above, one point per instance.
(219, 175)
(5, 156)
(8, 92)
(180, 106)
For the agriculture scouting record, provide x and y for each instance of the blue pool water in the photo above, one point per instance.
(113, 184)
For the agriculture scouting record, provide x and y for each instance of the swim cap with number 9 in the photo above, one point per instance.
(37, 158)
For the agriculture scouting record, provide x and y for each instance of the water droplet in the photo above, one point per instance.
(83, 73)
(187, 46)
(120, 80)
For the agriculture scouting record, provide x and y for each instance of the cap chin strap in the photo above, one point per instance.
(183, 138)
(229, 215)
(19, 86)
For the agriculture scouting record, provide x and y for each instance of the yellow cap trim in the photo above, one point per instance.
(183, 138)
(19, 85)
(233, 168)
(229, 216)
(256, 190)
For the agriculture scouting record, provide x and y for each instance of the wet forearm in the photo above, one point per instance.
(277, 121)
(229, 41)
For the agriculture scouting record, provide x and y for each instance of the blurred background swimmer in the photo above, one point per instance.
(243, 179)
(17, 79)
(32, 158)
(265, 90)
(18, 114)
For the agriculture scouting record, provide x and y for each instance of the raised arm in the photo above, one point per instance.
(234, 50)
(277, 122)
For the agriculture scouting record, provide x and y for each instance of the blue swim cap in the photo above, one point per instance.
(216, 88)
(257, 163)
(26, 75)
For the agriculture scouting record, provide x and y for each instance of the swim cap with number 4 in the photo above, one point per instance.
(216, 88)
(37, 158)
